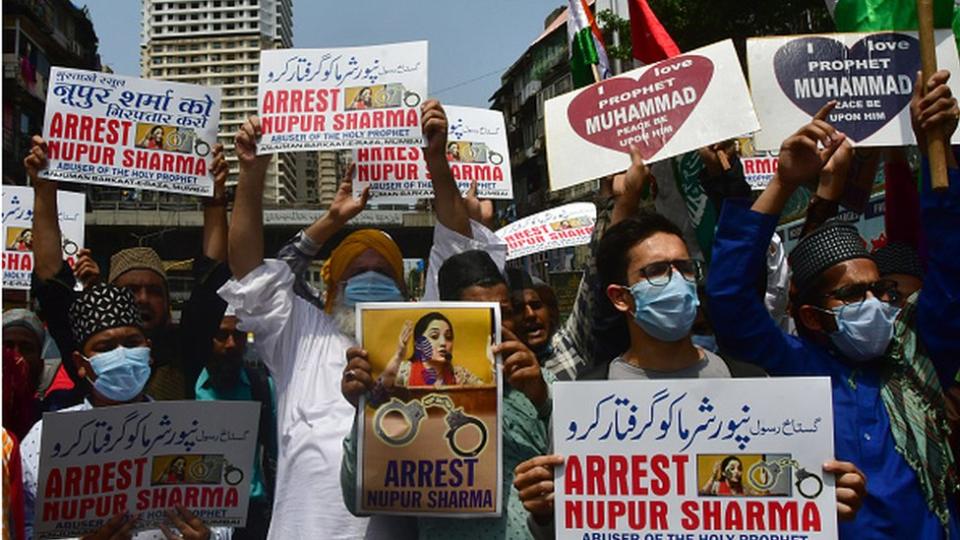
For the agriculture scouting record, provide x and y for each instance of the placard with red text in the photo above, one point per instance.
(145, 459)
(695, 457)
(110, 130)
(871, 75)
(564, 226)
(476, 150)
(664, 109)
(18, 232)
(334, 99)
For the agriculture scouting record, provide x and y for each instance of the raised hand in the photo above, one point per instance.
(86, 270)
(245, 144)
(220, 170)
(801, 159)
(833, 176)
(933, 107)
(479, 210)
(521, 368)
(36, 161)
(433, 120)
(344, 206)
(716, 157)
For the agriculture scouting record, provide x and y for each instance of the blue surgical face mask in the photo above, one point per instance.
(864, 329)
(666, 312)
(371, 287)
(708, 343)
(121, 373)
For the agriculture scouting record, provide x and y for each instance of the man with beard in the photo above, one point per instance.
(226, 378)
(139, 270)
(303, 346)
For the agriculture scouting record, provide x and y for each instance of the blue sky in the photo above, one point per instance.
(468, 39)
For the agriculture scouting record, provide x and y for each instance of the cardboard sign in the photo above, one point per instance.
(476, 149)
(118, 131)
(430, 442)
(145, 458)
(664, 109)
(18, 232)
(692, 458)
(564, 226)
(871, 75)
(333, 99)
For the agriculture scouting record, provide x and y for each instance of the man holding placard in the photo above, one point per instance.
(888, 365)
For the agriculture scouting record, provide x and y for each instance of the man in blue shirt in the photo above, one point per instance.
(887, 365)
(226, 378)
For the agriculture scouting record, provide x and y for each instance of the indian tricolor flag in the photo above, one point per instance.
(586, 45)
(879, 15)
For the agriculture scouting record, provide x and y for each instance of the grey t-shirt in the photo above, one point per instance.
(710, 366)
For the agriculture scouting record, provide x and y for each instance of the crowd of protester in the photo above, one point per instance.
(883, 326)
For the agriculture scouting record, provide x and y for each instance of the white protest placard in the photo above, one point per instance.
(18, 232)
(697, 457)
(759, 170)
(476, 149)
(564, 226)
(110, 130)
(334, 99)
(144, 459)
(871, 75)
(664, 109)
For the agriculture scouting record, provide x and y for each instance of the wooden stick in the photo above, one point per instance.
(596, 72)
(936, 142)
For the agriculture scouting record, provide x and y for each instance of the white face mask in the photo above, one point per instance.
(864, 329)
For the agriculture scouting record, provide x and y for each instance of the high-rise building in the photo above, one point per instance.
(217, 43)
(36, 36)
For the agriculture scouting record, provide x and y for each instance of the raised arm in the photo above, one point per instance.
(246, 228)
(215, 210)
(447, 201)
(46, 228)
(830, 188)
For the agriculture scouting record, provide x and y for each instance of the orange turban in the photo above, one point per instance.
(352, 246)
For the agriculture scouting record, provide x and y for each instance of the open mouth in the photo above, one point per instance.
(536, 331)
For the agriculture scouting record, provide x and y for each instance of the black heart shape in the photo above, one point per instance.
(879, 68)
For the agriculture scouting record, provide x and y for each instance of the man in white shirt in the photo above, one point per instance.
(304, 346)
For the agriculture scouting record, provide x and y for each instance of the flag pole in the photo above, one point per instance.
(596, 72)
(936, 142)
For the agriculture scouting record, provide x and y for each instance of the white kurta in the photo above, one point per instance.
(306, 355)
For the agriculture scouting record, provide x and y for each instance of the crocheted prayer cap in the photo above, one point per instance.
(831, 244)
(898, 259)
(102, 307)
(137, 258)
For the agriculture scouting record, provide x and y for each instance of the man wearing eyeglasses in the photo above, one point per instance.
(888, 365)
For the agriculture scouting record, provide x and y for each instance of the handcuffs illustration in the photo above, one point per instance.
(772, 471)
(176, 139)
(415, 411)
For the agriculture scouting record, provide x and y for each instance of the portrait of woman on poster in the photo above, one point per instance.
(153, 139)
(23, 242)
(431, 363)
(363, 99)
(727, 480)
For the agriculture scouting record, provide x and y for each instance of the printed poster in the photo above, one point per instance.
(18, 232)
(665, 109)
(564, 226)
(870, 224)
(871, 75)
(111, 130)
(335, 99)
(430, 430)
(709, 458)
(759, 166)
(476, 149)
(145, 458)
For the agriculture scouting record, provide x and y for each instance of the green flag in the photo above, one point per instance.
(878, 15)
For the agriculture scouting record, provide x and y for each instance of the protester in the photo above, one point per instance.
(900, 264)
(888, 366)
(23, 335)
(113, 354)
(472, 276)
(648, 275)
(303, 346)
(138, 269)
(12, 526)
(226, 378)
